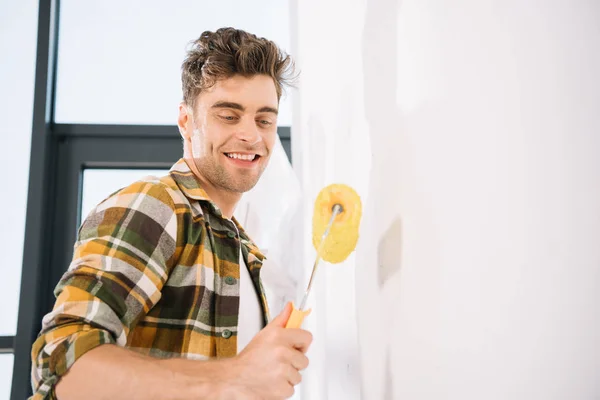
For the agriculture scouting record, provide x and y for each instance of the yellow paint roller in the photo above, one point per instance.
(336, 220)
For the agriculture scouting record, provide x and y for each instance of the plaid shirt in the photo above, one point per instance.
(156, 270)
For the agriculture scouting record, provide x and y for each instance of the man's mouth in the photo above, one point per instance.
(243, 157)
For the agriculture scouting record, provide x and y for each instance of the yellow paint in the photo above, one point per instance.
(343, 234)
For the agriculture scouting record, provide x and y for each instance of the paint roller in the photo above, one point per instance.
(336, 219)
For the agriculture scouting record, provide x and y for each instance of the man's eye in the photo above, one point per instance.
(228, 117)
(265, 122)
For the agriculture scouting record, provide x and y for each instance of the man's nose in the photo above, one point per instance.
(248, 132)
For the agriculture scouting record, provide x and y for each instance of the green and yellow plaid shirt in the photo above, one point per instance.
(156, 270)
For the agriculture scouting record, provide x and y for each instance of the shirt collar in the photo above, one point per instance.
(188, 182)
(190, 186)
(245, 239)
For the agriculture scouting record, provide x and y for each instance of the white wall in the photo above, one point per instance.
(489, 160)
(18, 30)
(330, 145)
(478, 268)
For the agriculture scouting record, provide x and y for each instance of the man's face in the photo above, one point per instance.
(236, 121)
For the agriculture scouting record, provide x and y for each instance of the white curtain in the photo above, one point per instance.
(271, 215)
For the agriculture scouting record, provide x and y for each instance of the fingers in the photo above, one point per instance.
(294, 358)
(283, 316)
(293, 376)
(297, 338)
(276, 332)
(298, 360)
(284, 392)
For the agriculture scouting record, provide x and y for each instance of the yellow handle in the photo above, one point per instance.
(296, 318)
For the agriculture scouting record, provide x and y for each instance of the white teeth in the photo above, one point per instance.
(247, 157)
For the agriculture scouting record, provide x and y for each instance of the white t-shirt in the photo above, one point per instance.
(250, 320)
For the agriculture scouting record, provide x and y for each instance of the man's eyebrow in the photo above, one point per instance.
(238, 106)
(269, 110)
(228, 104)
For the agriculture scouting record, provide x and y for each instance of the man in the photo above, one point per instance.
(163, 298)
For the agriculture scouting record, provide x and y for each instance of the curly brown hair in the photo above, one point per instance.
(228, 52)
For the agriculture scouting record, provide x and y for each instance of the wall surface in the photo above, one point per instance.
(477, 275)
(483, 118)
(330, 144)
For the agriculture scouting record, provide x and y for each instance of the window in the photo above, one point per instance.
(116, 69)
(115, 108)
(99, 183)
(17, 19)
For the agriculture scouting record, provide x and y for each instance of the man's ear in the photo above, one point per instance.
(184, 122)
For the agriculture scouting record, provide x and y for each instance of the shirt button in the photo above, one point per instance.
(230, 235)
(226, 334)
(230, 280)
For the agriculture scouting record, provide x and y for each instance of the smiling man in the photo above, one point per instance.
(232, 129)
(163, 298)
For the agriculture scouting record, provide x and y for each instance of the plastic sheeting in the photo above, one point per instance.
(270, 213)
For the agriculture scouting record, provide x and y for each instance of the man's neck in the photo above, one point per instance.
(224, 199)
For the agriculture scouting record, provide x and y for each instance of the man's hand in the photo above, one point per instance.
(269, 367)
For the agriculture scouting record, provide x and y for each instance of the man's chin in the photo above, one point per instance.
(239, 181)
(241, 187)
(245, 183)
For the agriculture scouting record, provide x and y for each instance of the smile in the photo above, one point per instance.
(244, 157)
(243, 160)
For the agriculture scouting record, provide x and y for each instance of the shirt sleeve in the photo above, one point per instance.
(124, 252)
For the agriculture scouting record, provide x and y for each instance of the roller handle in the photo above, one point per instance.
(296, 318)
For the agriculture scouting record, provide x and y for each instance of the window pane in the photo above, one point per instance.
(119, 61)
(18, 35)
(6, 369)
(98, 184)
